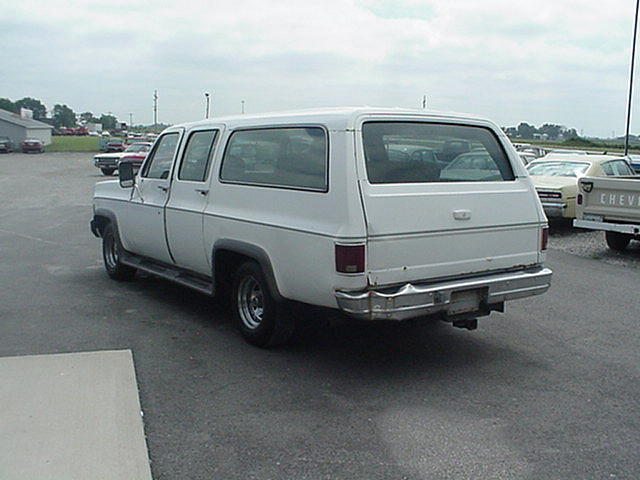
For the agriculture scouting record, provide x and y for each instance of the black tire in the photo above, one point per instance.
(111, 254)
(261, 319)
(108, 171)
(617, 241)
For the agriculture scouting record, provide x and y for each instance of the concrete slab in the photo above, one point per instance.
(71, 416)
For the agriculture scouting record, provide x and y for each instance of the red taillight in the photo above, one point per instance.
(579, 199)
(350, 258)
(545, 238)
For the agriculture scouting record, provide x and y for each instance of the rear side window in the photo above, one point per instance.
(279, 157)
(404, 152)
(197, 156)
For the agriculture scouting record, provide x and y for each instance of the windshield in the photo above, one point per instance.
(558, 169)
(137, 148)
(409, 152)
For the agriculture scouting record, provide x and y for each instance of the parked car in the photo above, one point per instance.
(135, 154)
(6, 145)
(634, 162)
(111, 144)
(108, 162)
(32, 145)
(346, 227)
(611, 205)
(556, 178)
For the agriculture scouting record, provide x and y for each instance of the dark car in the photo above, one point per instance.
(114, 145)
(6, 145)
(32, 145)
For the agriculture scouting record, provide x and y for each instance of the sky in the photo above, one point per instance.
(548, 61)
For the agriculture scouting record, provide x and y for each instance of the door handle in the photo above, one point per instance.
(163, 188)
(202, 191)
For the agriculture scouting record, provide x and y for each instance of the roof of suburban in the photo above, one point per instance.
(23, 122)
(336, 115)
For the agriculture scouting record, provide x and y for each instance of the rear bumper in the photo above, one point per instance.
(632, 229)
(410, 301)
(554, 209)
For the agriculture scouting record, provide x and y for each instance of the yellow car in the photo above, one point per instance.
(556, 178)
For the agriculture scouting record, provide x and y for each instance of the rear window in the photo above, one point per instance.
(558, 169)
(404, 152)
(277, 157)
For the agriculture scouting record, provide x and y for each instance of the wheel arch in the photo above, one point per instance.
(228, 254)
(101, 218)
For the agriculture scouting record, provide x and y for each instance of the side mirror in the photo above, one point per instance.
(126, 175)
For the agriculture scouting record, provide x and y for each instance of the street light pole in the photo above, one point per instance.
(206, 111)
(633, 58)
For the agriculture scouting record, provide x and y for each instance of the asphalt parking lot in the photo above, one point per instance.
(547, 390)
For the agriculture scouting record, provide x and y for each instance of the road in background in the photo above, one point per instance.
(547, 390)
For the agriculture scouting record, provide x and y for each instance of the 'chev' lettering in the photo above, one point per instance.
(620, 200)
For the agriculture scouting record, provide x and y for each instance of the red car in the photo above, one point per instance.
(32, 145)
(136, 153)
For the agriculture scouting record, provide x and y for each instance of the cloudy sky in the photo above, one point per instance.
(556, 61)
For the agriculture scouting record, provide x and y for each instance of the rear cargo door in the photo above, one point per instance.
(443, 200)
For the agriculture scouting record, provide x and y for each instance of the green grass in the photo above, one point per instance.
(69, 143)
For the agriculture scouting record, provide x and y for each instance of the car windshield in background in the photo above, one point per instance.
(558, 169)
(137, 148)
(410, 152)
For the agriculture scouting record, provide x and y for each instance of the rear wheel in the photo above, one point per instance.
(112, 254)
(261, 319)
(107, 171)
(617, 241)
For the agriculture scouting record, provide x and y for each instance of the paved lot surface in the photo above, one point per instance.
(548, 390)
(71, 416)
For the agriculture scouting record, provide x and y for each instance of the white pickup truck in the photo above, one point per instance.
(612, 205)
(384, 214)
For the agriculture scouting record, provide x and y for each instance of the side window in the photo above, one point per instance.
(293, 157)
(159, 165)
(197, 155)
(620, 167)
(608, 168)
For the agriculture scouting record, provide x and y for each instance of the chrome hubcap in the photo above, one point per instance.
(250, 302)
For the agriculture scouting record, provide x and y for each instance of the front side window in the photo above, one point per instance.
(410, 152)
(197, 156)
(160, 160)
(293, 157)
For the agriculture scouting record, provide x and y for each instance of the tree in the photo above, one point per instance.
(36, 106)
(63, 116)
(552, 130)
(87, 117)
(526, 131)
(8, 105)
(108, 122)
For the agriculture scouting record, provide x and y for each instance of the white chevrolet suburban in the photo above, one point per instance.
(384, 214)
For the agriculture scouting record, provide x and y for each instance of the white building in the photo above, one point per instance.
(18, 128)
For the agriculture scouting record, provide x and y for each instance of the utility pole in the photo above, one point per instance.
(130, 119)
(206, 108)
(633, 58)
(424, 102)
(242, 102)
(155, 108)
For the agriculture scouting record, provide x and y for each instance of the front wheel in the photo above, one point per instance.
(617, 241)
(262, 320)
(112, 254)
(107, 171)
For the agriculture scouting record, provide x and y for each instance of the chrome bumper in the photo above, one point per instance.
(554, 209)
(631, 229)
(419, 300)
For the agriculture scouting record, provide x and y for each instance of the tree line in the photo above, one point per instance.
(61, 115)
(552, 131)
